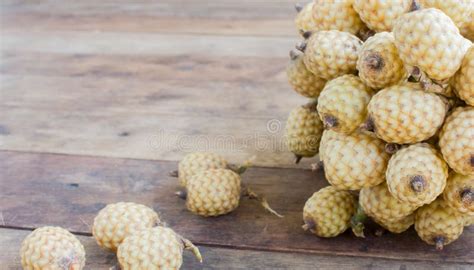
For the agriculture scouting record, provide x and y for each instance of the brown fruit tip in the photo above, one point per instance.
(293, 55)
(309, 225)
(298, 158)
(182, 194)
(467, 196)
(301, 46)
(307, 34)
(439, 242)
(317, 166)
(368, 125)
(472, 161)
(417, 183)
(173, 173)
(298, 7)
(330, 121)
(365, 34)
(374, 62)
(392, 148)
(414, 6)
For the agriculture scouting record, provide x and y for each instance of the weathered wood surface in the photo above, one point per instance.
(42, 189)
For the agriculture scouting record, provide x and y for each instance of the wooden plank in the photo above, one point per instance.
(224, 258)
(42, 189)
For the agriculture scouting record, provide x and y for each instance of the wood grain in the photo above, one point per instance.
(43, 189)
(224, 258)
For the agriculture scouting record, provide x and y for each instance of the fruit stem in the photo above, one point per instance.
(417, 183)
(243, 167)
(439, 242)
(298, 7)
(317, 166)
(330, 121)
(173, 173)
(298, 158)
(189, 245)
(357, 222)
(293, 55)
(415, 5)
(301, 46)
(247, 192)
(182, 194)
(467, 196)
(309, 225)
(392, 148)
(368, 125)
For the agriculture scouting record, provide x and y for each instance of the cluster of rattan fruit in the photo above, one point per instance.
(391, 114)
(136, 232)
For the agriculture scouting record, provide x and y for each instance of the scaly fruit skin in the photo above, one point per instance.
(304, 130)
(458, 10)
(354, 161)
(416, 174)
(52, 248)
(118, 220)
(380, 15)
(327, 136)
(342, 105)
(379, 64)
(330, 54)
(153, 248)
(336, 15)
(429, 40)
(328, 212)
(463, 80)
(196, 162)
(468, 29)
(406, 114)
(301, 79)
(438, 224)
(459, 193)
(468, 220)
(380, 205)
(213, 192)
(304, 19)
(456, 140)
(397, 226)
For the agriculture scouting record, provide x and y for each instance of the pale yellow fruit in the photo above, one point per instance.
(438, 224)
(327, 136)
(458, 10)
(196, 162)
(467, 30)
(416, 174)
(463, 80)
(304, 19)
(118, 220)
(301, 79)
(52, 248)
(379, 64)
(428, 39)
(469, 220)
(406, 114)
(459, 193)
(380, 15)
(342, 105)
(354, 161)
(154, 248)
(303, 131)
(213, 192)
(397, 226)
(380, 205)
(330, 54)
(328, 212)
(456, 140)
(336, 15)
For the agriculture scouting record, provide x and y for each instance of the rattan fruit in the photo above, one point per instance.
(379, 64)
(327, 213)
(380, 15)
(463, 80)
(330, 54)
(52, 248)
(196, 162)
(336, 15)
(397, 226)
(354, 161)
(154, 248)
(458, 10)
(438, 224)
(301, 79)
(459, 193)
(304, 19)
(428, 39)
(327, 136)
(342, 105)
(416, 174)
(303, 131)
(456, 140)
(116, 221)
(405, 114)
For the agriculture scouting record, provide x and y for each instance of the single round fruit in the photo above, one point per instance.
(458, 10)
(428, 39)
(52, 248)
(342, 105)
(196, 162)
(354, 161)
(397, 226)
(118, 220)
(336, 15)
(438, 224)
(456, 140)
(380, 15)
(380, 205)
(154, 248)
(304, 19)
(379, 64)
(463, 80)
(328, 212)
(459, 193)
(213, 192)
(303, 131)
(416, 174)
(330, 54)
(301, 79)
(406, 114)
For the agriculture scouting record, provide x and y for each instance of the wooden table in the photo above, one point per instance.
(99, 99)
